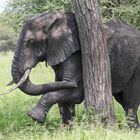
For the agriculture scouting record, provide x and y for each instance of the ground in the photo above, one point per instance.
(16, 125)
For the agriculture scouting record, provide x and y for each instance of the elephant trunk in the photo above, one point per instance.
(27, 87)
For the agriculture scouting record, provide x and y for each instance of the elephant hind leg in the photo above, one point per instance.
(67, 111)
(129, 98)
(129, 106)
(132, 118)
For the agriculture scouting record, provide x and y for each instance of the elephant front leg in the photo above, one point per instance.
(67, 111)
(39, 112)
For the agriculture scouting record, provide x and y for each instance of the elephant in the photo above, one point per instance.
(53, 37)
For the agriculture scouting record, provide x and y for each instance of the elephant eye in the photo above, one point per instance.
(30, 41)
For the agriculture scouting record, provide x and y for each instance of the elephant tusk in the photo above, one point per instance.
(22, 80)
(10, 83)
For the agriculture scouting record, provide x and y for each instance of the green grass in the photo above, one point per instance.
(16, 125)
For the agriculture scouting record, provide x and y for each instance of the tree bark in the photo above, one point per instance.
(95, 59)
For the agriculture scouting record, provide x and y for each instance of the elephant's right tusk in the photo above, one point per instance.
(22, 80)
(10, 83)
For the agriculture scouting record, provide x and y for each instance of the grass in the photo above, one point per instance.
(16, 125)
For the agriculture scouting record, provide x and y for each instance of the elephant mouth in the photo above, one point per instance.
(19, 83)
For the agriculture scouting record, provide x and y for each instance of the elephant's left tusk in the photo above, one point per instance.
(10, 83)
(22, 80)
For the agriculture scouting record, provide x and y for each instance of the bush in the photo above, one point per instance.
(7, 39)
(126, 10)
(18, 11)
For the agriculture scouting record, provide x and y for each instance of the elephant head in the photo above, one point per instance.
(50, 37)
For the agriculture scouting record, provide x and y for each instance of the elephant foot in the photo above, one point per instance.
(37, 114)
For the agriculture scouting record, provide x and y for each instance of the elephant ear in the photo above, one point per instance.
(63, 40)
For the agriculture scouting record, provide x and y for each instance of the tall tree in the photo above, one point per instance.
(95, 59)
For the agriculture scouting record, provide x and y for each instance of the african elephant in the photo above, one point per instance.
(53, 37)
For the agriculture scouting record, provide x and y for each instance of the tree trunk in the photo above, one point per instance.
(95, 59)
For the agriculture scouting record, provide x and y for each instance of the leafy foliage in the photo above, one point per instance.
(18, 11)
(126, 10)
(7, 38)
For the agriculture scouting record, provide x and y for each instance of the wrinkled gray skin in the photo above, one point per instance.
(53, 37)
